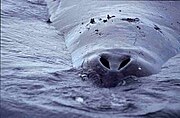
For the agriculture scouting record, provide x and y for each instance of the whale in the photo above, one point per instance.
(113, 39)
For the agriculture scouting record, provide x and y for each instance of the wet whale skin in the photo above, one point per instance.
(117, 39)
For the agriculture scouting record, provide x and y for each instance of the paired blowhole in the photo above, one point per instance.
(105, 62)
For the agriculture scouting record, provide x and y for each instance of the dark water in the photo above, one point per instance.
(38, 81)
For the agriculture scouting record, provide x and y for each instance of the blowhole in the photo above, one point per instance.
(124, 63)
(105, 62)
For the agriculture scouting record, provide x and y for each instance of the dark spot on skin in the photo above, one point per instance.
(88, 28)
(171, 23)
(49, 21)
(130, 19)
(82, 23)
(119, 10)
(100, 34)
(104, 21)
(92, 21)
(138, 27)
(100, 18)
(97, 31)
(178, 22)
(156, 27)
(79, 32)
(109, 17)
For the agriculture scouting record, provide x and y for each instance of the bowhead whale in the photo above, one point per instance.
(114, 39)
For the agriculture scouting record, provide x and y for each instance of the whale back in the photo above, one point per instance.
(156, 11)
(157, 30)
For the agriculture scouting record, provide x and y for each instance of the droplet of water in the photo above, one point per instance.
(79, 99)
(83, 76)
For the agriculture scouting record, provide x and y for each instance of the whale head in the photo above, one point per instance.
(110, 67)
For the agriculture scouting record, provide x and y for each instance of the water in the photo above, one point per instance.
(38, 81)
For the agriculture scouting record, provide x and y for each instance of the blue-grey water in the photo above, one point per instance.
(38, 81)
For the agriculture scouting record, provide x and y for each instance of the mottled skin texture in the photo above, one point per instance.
(113, 40)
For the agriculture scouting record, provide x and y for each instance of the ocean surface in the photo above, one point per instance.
(38, 80)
